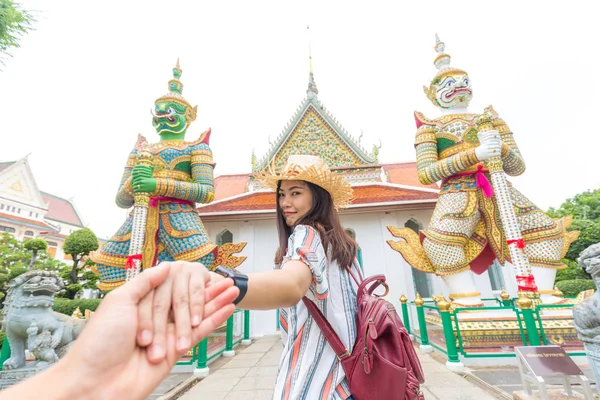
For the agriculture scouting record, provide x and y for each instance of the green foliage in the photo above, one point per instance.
(35, 244)
(15, 260)
(67, 306)
(575, 286)
(70, 291)
(14, 23)
(589, 235)
(573, 271)
(584, 206)
(2, 335)
(80, 243)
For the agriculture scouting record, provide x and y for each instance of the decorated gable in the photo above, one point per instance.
(314, 136)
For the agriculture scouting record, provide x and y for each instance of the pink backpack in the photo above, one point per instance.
(383, 363)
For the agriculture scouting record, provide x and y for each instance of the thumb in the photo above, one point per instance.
(136, 289)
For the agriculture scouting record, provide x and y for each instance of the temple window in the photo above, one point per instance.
(7, 229)
(224, 237)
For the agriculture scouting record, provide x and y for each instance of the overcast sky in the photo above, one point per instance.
(80, 89)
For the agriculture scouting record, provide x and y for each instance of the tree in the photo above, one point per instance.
(15, 259)
(35, 245)
(14, 23)
(79, 244)
(584, 206)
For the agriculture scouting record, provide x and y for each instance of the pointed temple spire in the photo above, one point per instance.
(312, 90)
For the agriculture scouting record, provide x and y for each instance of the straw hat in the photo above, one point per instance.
(310, 169)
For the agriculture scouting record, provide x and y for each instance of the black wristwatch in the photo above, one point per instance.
(239, 280)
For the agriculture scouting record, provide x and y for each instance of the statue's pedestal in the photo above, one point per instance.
(12, 377)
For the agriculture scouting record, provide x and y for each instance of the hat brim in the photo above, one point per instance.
(340, 191)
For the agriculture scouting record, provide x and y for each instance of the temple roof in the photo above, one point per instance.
(61, 210)
(372, 194)
(314, 130)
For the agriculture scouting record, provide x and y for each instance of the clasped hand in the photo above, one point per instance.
(142, 180)
(144, 327)
(490, 145)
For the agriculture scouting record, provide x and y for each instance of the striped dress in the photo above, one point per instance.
(309, 369)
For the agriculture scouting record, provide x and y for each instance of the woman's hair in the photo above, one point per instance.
(324, 218)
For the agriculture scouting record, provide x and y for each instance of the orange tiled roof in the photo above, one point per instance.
(404, 174)
(27, 220)
(364, 194)
(61, 210)
(230, 185)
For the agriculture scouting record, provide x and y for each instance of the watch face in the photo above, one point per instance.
(225, 271)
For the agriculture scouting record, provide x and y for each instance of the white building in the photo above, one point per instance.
(26, 212)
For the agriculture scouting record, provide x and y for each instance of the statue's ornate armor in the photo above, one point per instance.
(174, 231)
(465, 231)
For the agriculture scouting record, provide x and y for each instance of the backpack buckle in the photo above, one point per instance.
(346, 354)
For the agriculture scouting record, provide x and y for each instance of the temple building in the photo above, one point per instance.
(26, 212)
(384, 194)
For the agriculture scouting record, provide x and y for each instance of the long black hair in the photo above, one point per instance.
(324, 218)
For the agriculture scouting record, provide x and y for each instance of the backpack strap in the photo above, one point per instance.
(332, 338)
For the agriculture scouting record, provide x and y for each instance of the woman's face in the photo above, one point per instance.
(295, 200)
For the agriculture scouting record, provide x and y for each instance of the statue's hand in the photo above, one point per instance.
(144, 185)
(490, 145)
(141, 171)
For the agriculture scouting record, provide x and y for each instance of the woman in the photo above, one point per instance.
(312, 260)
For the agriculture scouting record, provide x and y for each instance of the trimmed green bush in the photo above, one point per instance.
(574, 286)
(573, 271)
(67, 306)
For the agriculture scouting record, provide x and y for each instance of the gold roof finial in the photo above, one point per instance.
(312, 90)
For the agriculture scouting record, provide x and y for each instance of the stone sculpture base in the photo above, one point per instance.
(12, 377)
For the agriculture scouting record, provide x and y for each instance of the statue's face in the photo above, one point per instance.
(39, 291)
(169, 117)
(453, 91)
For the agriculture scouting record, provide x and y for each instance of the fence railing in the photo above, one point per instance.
(236, 329)
(439, 318)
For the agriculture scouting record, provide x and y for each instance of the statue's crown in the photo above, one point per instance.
(175, 90)
(442, 62)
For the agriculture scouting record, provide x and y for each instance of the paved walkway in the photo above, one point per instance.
(250, 375)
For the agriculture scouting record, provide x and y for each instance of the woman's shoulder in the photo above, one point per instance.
(304, 230)
(306, 236)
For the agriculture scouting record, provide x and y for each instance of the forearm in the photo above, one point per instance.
(432, 170)
(190, 191)
(55, 383)
(512, 160)
(270, 289)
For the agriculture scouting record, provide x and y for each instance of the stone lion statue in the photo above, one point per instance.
(586, 315)
(30, 322)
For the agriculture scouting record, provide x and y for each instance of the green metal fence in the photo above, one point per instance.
(236, 329)
(451, 342)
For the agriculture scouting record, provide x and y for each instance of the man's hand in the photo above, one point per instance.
(181, 298)
(106, 360)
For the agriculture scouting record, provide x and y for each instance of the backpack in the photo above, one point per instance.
(383, 363)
